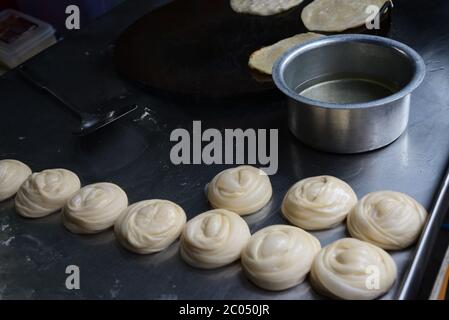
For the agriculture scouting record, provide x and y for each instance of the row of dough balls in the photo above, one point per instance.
(390, 220)
(274, 258)
(279, 257)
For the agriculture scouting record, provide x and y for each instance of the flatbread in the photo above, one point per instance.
(337, 15)
(263, 60)
(263, 7)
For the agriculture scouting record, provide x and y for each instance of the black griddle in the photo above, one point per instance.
(202, 47)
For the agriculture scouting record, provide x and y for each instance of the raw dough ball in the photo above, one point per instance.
(318, 202)
(214, 238)
(279, 257)
(352, 269)
(390, 220)
(337, 15)
(12, 174)
(243, 190)
(263, 59)
(46, 192)
(94, 208)
(150, 226)
(263, 7)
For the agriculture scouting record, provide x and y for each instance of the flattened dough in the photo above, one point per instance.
(279, 256)
(390, 220)
(150, 226)
(263, 59)
(243, 190)
(46, 192)
(318, 202)
(94, 208)
(214, 239)
(12, 174)
(345, 269)
(337, 15)
(263, 7)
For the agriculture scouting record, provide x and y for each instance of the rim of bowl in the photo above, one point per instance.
(415, 59)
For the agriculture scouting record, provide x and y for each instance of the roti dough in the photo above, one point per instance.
(243, 190)
(347, 269)
(263, 59)
(390, 220)
(318, 202)
(337, 15)
(214, 239)
(12, 174)
(279, 257)
(94, 208)
(46, 192)
(263, 7)
(150, 226)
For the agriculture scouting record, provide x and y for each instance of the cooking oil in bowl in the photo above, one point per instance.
(345, 89)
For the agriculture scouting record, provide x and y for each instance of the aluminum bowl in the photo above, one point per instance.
(349, 93)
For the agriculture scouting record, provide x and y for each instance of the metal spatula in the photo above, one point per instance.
(89, 122)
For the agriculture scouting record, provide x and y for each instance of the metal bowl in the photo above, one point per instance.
(349, 93)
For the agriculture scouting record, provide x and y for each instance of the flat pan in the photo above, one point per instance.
(201, 47)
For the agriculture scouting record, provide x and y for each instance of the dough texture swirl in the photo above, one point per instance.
(243, 190)
(12, 174)
(94, 208)
(318, 202)
(391, 220)
(150, 226)
(263, 7)
(46, 192)
(352, 269)
(214, 238)
(279, 256)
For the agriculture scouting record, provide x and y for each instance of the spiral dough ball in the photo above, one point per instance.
(243, 190)
(388, 219)
(352, 269)
(149, 226)
(46, 192)
(279, 256)
(214, 238)
(318, 203)
(12, 174)
(94, 208)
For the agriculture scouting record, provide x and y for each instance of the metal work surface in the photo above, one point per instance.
(135, 154)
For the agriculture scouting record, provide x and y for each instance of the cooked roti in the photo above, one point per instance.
(337, 15)
(263, 7)
(264, 59)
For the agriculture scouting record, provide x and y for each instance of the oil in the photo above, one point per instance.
(345, 89)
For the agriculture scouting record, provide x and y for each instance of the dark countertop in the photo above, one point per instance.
(134, 153)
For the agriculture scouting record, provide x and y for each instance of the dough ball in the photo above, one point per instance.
(94, 208)
(214, 238)
(12, 174)
(263, 59)
(263, 7)
(150, 226)
(353, 270)
(387, 219)
(46, 192)
(318, 203)
(243, 190)
(337, 15)
(279, 257)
